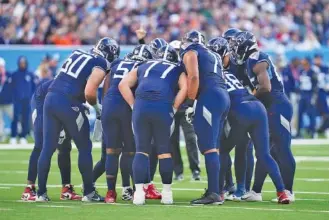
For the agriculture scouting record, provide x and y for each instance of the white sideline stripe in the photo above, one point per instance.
(103, 186)
(57, 206)
(300, 142)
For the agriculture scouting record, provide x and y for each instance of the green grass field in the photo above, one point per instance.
(311, 189)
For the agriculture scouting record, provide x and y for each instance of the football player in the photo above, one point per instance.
(77, 81)
(116, 123)
(64, 148)
(270, 92)
(208, 103)
(150, 189)
(153, 112)
(308, 87)
(323, 96)
(246, 115)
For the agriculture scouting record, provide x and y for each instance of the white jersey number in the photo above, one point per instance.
(165, 73)
(70, 64)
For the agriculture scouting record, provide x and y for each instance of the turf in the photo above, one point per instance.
(311, 188)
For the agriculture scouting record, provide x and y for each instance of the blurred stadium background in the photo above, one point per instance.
(294, 32)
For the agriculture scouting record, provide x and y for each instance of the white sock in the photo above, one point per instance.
(146, 185)
(139, 187)
(166, 187)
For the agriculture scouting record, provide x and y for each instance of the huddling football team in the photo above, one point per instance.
(230, 91)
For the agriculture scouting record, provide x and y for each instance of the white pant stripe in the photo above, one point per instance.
(80, 120)
(285, 123)
(207, 115)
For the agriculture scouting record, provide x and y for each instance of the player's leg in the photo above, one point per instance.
(208, 124)
(250, 165)
(191, 147)
(240, 165)
(301, 110)
(176, 153)
(25, 121)
(76, 123)
(141, 163)
(260, 137)
(64, 164)
(162, 127)
(312, 112)
(51, 127)
(226, 145)
(127, 156)
(29, 193)
(17, 113)
(99, 168)
(113, 141)
(280, 128)
(151, 192)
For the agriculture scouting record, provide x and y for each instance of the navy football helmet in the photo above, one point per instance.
(108, 48)
(194, 37)
(230, 33)
(141, 53)
(218, 45)
(242, 46)
(156, 44)
(167, 53)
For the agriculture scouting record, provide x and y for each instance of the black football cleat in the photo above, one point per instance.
(208, 198)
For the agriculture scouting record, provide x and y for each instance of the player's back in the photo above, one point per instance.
(41, 92)
(210, 67)
(74, 73)
(118, 69)
(158, 80)
(235, 89)
(275, 78)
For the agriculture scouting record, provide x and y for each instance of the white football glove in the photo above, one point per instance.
(86, 108)
(190, 111)
(98, 109)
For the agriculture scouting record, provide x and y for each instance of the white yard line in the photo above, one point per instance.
(5, 209)
(4, 187)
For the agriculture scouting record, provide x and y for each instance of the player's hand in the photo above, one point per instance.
(86, 108)
(174, 110)
(140, 33)
(98, 109)
(190, 111)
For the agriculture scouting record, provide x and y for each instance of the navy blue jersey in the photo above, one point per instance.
(72, 77)
(235, 88)
(275, 78)
(158, 80)
(323, 78)
(118, 69)
(41, 92)
(210, 67)
(308, 81)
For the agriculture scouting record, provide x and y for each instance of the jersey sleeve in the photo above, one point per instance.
(187, 47)
(102, 64)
